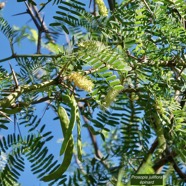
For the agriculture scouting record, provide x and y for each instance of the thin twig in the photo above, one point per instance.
(111, 4)
(146, 4)
(14, 56)
(98, 153)
(94, 7)
(42, 24)
(151, 150)
(29, 9)
(176, 168)
(16, 124)
(43, 6)
(41, 100)
(79, 164)
(39, 42)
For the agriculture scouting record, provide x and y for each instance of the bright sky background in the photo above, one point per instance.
(11, 8)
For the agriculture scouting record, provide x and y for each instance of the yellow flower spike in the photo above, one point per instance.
(102, 8)
(109, 98)
(81, 81)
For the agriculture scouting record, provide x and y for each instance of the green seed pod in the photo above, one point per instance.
(64, 121)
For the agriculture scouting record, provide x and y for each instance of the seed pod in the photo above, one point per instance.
(64, 120)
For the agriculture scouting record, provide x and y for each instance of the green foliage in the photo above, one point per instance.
(6, 29)
(135, 58)
(68, 14)
(33, 148)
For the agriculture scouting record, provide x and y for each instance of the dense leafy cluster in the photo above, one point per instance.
(121, 76)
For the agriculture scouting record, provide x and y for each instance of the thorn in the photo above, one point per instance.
(43, 19)
(14, 76)
(4, 114)
(20, 13)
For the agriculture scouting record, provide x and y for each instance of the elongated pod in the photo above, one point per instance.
(64, 120)
(73, 106)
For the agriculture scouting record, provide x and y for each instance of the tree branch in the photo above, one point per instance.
(42, 23)
(111, 4)
(31, 13)
(163, 161)
(94, 142)
(30, 55)
(149, 153)
(98, 153)
(176, 168)
(148, 7)
(11, 99)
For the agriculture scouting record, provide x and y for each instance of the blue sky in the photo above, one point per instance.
(11, 8)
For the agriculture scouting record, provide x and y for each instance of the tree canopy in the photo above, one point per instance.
(120, 75)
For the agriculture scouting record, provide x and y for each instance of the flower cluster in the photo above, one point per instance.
(109, 98)
(81, 81)
(102, 8)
